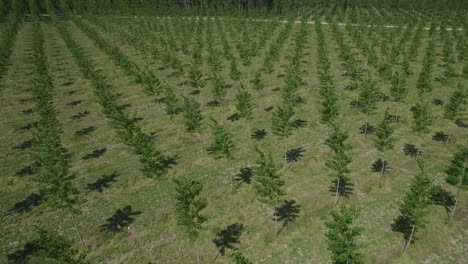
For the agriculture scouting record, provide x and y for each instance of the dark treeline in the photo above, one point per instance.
(232, 7)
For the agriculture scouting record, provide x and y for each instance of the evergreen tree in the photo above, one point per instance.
(234, 74)
(239, 258)
(243, 105)
(257, 82)
(415, 206)
(384, 140)
(399, 88)
(171, 101)
(329, 110)
(339, 161)
(456, 104)
(457, 174)
(192, 114)
(268, 183)
(368, 99)
(189, 206)
(341, 236)
(422, 120)
(217, 87)
(223, 143)
(282, 125)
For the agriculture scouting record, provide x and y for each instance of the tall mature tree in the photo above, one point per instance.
(244, 106)
(188, 208)
(282, 125)
(192, 114)
(340, 160)
(415, 206)
(457, 175)
(341, 236)
(422, 120)
(384, 140)
(456, 104)
(368, 99)
(223, 143)
(268, 183)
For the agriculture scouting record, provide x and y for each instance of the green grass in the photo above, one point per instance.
(157, 238)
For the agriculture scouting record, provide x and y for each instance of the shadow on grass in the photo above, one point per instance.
(286, 212)
(95, 154)
(103, 182)
(27, 203)
(258, 134)
(378, 165)
(294, 154)
(411, 150)
(244, 176)
(227, 238)
(121, 219)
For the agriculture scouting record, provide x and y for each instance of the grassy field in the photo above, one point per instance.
(157, 238)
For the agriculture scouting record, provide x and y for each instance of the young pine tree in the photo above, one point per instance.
(257, 82)
(339, 161)
(223, 143)
(384, 140)
(268, 183)
(171, 101)
(217, 87)
(399, 89)
(234, 74)
(239, 258)
(422, 120)
(243, 105)
(456, 104)
(282, 125)
(341, 236)
(414, 208)
(329, 110)
(192, 114)
(457, 175)
(368, 99)
(188, 208)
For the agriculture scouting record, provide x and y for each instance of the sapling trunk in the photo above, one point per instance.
(77, 230)
(365, 127)
(198, 251)
(337, 191)
(408, 242)
(417, 153)
(383, 170)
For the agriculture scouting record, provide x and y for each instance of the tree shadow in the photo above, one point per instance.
(26, 171)
(268, 109)
(277, 89)
(121, 219)
(258, 134)
(73, 92)
(234, 117)
(27, 203)
(25, 145)
(370, 129)
(345, 188)
(299, 123)
(26, 100)
(85, 131)
(403, 225)
(443, 198)
(294, 154)
(384, 97)
(244, 176)
(136, 119)
(438, 102)
(80, 115)
(67, 83)
(159, 100)
(228, 85)
(461, 123)
(75, 103)
(195, 92)
(103, 182)
(22, 255)
(227, 238)
(395, 118)
(27, 111)
(440, 136)
(95, 154)
(378, 165)
(124, 106)
(411, 150)
(25, 127)
(213, 103)
(354, 104)
(286, 212)
(183, 83)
